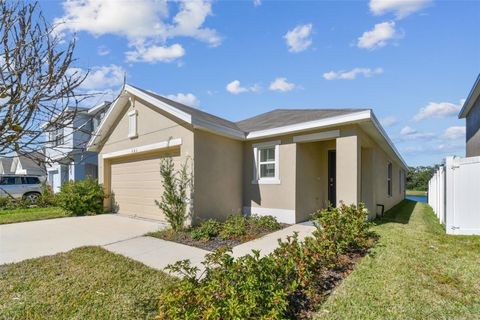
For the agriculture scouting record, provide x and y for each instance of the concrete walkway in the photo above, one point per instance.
(26, 240)
(158, 253)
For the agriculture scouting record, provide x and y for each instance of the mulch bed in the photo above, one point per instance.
(184, 237)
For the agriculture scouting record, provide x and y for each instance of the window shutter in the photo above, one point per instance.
(132, 124)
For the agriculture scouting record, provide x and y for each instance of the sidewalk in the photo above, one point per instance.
(158, 253)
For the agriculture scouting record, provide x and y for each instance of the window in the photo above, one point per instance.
(11, 181)
(389, 179)
(266, 162)
(56, 137)
(31, 180)
(132, 124)
(400, 179)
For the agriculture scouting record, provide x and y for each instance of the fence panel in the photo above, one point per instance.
(454, 195)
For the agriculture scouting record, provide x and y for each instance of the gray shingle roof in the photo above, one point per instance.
(192, 111)
(284, 117)
(269, 120)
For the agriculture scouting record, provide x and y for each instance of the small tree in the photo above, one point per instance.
(175, 200)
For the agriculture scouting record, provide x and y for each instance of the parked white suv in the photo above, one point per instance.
(20, 186)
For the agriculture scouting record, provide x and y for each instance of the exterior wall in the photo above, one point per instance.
(473, 131)
(312, 177)
(275, 199)
(218, 163)
(152, 127)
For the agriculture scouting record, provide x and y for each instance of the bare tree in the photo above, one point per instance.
(38, 89)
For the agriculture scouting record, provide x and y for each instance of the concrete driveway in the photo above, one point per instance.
(20, 241)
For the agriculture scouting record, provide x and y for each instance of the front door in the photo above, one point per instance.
(332, 173)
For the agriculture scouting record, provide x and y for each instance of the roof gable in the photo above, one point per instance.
(471, 99)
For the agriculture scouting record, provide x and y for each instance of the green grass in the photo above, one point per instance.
(30, 214)
(416, 193)
(85, 283)
(415, 272)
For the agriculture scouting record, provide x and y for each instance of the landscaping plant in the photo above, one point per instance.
(207, 230)
(289, 283)
(175, 199)
(82, 197)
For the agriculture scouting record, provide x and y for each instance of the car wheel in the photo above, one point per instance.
(32, 197)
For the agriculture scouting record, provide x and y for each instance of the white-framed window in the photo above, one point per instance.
(132, 124)
(266, 166)
(57, 137)
(389, 179)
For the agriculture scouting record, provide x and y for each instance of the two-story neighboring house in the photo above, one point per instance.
(66, 147)
(471, 112)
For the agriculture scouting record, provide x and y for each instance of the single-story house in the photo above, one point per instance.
(6, 165)
(32, 163)
(286, 163)
(471, 112)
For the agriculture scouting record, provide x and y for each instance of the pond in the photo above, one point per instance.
(417, 198)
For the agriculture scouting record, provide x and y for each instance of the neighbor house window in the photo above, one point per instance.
(132, 124)
(266, 169)
(56, 137)
(400, 179)
(389, 180)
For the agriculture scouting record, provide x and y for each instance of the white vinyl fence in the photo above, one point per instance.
(454, 195)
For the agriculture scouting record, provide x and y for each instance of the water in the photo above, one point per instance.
(417, 198)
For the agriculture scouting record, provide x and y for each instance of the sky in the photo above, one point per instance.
(413, 62)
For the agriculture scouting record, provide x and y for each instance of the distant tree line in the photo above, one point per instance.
(418, 177)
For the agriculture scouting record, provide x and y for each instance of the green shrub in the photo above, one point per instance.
(281, 285)
(174, 200)
(47, 198)
(234, 227)
(266, 223)
(82, 197)
(7, 203)
(207, 230)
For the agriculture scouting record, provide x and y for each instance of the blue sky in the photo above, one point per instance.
(413, 62)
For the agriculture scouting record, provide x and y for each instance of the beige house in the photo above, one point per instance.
(285, 163)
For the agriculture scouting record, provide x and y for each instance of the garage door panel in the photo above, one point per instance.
(135, 185)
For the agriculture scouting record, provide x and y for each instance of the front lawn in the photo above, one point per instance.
(30, 214)
(415, 193)
(416, 272)
(85, 283)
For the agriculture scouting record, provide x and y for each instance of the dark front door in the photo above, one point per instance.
(332, 173)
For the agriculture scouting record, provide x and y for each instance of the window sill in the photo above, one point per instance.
(266, 181)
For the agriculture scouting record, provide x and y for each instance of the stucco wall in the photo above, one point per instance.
(218, 165)
(152, 127)
(276, 196)
(473, 131)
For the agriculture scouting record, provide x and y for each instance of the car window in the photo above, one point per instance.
(31, 180)
(11, 180)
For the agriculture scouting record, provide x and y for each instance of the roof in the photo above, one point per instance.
(192, 111)
(6, 164)
(283, 117)
(471, 99)
(273, 123)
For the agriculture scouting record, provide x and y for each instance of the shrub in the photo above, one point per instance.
(7, 203)
(294, 278)
(207, 230)
(47, 198)
(267, 223)
(234, 227)
(82, 197)
(174, 200)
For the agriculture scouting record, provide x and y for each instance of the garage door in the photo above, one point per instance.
(136, 184)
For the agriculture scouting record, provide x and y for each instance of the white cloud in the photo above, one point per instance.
(145, 23)
(103, 50)
(401, 8)
(379, 36)
(437, 110)
(281, 84)
(257, 3)
(155, 53)
(352, 74)
(299, 39)
(186, 98)
(101, 77)
(454, 133)
(408, 133)
(236, 88)
(388, 121)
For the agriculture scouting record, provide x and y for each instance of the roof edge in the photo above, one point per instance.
(471, 99)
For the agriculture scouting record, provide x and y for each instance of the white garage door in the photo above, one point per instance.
(136, 184)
